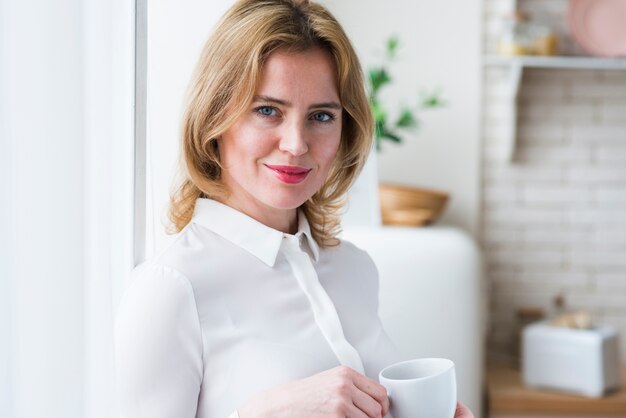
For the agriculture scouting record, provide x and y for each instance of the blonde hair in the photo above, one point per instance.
(223, 87)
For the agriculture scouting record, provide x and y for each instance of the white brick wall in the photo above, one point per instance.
(554, 220)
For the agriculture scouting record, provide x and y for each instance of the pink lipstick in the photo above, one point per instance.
(289, 174)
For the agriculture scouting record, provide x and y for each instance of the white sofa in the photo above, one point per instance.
(431, 297)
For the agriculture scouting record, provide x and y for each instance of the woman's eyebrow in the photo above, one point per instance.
(269, 99)
(329, 105)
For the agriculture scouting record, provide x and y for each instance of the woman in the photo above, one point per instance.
(256, 309)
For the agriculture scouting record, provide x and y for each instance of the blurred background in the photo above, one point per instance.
(506, 254)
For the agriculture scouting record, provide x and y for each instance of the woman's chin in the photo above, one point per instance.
(286, 201)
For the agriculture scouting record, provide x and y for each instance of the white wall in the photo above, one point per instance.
(554, 219)
(440, 47)
(176, 34)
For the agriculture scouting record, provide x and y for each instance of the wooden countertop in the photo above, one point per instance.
(507, 394)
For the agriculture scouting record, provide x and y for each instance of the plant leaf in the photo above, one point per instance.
(406, 120)
(378, 77)
(378, 112)
(392, 46)
(431, 100)
(391, 136)
(380, 129)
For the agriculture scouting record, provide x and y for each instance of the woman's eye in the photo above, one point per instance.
(266, 111)
(322, 117)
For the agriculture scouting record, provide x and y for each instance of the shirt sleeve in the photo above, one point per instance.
(158, 346)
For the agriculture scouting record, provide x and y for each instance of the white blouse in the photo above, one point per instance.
(232, 308)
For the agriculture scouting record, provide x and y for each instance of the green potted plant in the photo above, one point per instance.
(402, 205)
(407, 120)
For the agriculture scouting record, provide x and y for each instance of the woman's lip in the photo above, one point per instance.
(289, 169)
(289, 174)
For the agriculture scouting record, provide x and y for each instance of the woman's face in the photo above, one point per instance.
(279, 152)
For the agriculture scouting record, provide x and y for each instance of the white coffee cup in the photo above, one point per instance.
(421, 388)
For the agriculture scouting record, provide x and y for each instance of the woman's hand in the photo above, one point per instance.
(336, 393)
(462, 411)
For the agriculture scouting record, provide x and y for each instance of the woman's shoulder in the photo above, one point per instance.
(153, 277)
(348, 256)
(350, 250)
(160, 274)
(353, 267)
(154, 269)
(189, 253)
(155, 291)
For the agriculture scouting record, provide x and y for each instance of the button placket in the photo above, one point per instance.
(323, 308)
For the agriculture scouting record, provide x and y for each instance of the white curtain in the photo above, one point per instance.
(109, 30)
(66, 190)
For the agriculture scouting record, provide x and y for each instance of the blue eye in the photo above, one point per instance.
(322, 117)
(266, 111)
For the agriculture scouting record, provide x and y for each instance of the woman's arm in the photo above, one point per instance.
(158, 346)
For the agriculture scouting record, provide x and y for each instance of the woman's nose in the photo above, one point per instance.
(293, 139)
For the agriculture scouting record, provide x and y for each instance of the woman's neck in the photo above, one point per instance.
(284, 220)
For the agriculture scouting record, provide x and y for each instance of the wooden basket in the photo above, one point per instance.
(410, 206)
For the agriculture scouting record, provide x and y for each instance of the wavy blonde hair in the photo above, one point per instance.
(223, 87)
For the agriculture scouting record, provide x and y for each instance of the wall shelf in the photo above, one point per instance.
(516, 66)
(562, 62)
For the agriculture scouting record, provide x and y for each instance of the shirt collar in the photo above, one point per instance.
(247, 233)
(305, 229)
